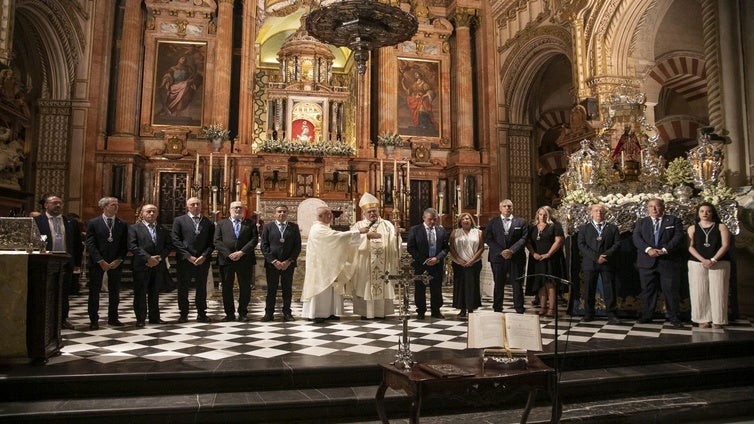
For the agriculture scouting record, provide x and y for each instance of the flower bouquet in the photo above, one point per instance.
(215, 131)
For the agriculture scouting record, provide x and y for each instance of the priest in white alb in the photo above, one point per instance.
(372, 297)
(329, 266)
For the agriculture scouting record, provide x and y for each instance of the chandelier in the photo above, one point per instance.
(361, 25)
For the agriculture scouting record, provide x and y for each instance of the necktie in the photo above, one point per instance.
(110, 223)
(432, 242)
(152, 232)
(236, 227)
(599, 227)
(657, 230)
(57, 238)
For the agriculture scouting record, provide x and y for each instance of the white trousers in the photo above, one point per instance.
(708, 290)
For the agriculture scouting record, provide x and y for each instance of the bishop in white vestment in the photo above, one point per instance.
(329, 256)
(372, 297)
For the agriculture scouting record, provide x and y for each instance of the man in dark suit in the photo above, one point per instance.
(506, 236)
(428, 245)
(235, 240)
(150, 244)
(107, 245)
(63, 235)
(659, 241)
(598, 244)
(193, 240)
(281, 244)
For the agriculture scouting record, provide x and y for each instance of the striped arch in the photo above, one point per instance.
(682, 73)
(551, 119)
(678, 127)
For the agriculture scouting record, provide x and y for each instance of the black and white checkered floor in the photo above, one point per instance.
(255, 339)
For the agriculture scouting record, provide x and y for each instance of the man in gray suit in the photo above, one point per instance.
(235, 240)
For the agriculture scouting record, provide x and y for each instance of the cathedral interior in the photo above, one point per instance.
(156, 101)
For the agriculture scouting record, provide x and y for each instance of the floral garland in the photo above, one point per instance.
(613, 200)
(295, 147)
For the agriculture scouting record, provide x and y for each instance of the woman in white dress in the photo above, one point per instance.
(466, 247)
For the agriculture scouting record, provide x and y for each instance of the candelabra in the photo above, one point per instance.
(403, 280)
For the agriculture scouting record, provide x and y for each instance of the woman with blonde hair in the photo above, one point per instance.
(466, 248)
(545, 259)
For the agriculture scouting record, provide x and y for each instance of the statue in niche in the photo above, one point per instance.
(11, 159)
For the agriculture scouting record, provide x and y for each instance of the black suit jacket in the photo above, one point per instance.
(96, 240)
(591, 249)
(141, 245)
(271, 247)
(73, 245)
(226, 242)
(494, 235)
(187, 243)
(672, 238)
(418, 245)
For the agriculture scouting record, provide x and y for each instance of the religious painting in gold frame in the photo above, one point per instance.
(419, 102)
(178, 97)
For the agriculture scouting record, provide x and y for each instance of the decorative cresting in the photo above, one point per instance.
(706, 160)
(361, 25)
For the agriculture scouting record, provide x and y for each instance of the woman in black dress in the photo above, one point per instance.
(545, 259)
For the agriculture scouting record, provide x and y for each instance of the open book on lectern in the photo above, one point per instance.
(511, 332)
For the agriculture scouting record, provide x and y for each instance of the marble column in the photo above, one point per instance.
(126, 123)
(223, 55)
(248, 70)
(463, 74)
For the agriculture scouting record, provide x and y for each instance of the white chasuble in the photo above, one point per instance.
(329, 256)
(372, 296)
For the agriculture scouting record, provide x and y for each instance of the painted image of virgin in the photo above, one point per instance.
(178, 99)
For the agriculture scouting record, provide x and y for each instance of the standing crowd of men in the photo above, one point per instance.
(338, 263)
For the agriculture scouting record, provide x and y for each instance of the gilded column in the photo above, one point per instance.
(127, 104)
(463, 132)
(223, 56)
(248, 70)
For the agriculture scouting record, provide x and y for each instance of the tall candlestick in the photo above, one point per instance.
(214, 202)
(442, 198)
(259, 196)
(238, 190)
(478, 204)
(225, 170)
(395, 173)
(408, 175)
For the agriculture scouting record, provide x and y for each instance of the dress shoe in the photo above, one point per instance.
(613, 320)
(267, 318)
(288, 317)
(157, 321)
(183, 319)
(67, 325)
(243, 318)
(644, 320)
(462, 314)
(333, 318)
(419, 316)
(228, 318)
(140, 324)
(519, 310)
(319, 320)
(676, 323)
(94, 326)
(588, 318)
(203, 318)
(438, 315)
(115, 323)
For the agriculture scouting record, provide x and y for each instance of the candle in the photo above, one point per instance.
(458, 190)
(238, 190)
(196, 172)
(214, 203)
(395, 172)
(225, 170)
(408, 174)
(382, 178)
(259, 195)
(478, 204)
(442, 198)
(642, 158)
(211, 182)
(623, 160)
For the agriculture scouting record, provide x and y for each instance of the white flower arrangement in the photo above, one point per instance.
(579, 196)
(215, 131)
(389, 139)
(717, 194)
(294, 147)
(679, 172)
(619, 199)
